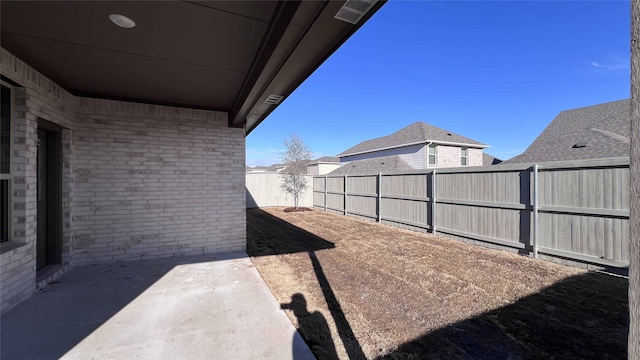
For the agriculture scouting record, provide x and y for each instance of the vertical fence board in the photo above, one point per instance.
(583, 209)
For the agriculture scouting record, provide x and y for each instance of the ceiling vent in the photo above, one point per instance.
(353, 10)
(273, 99)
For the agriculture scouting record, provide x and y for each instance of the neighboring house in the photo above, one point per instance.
(129, 143)
(323, 165)
(373, 165)
(592, 132)
(256, 169)
(420, 146)
(276, 168)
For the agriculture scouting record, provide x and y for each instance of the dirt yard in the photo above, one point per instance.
(358, 290)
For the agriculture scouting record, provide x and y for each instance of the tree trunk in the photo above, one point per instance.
(634, 219)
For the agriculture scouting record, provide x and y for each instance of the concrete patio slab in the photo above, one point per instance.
(201, 307)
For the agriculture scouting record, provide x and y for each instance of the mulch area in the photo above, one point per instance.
(298, 209)
(358, 289)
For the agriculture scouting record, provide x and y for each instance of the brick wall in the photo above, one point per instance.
(450, 156)
(447, 156)
(474, 157)
(139, 181)
(37, 97)
(154, 181)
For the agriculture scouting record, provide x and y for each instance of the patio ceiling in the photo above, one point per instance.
(224, 56)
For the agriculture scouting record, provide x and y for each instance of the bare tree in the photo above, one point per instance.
(295, 157)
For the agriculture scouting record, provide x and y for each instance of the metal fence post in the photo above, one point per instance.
(325, 192)
(433, 202)
(379, 197)
(345, 194)
(535, 211)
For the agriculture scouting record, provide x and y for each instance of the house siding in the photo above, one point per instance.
(414, 155)
(321, 169)
(138, 181)
(327, 168)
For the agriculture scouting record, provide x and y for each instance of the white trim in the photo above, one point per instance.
(325, 163)
(435, 154)
(476, 146)
(464, 154)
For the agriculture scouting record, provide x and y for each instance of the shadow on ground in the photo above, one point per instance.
(582, 317)
(268, 235)
(60, 316)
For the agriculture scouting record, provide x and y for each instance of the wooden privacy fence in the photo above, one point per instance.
(265, 189)
(576, 210)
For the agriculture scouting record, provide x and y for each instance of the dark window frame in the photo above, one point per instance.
(6, 176)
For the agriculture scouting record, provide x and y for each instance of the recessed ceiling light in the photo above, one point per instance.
(122, 21)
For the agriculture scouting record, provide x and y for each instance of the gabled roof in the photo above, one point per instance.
(276, 167)
(592, 132)
(326, 160)
(281, 167)
(415, 133)
(375, 165)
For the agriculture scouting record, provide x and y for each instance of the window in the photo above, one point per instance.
(463, 157)
(432, 154)
(5, 164)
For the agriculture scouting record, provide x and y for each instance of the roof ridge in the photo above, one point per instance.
(596, 105)
(412, 134)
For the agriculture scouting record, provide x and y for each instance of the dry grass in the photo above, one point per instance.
(376, 291)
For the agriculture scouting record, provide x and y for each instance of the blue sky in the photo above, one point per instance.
(494, 71)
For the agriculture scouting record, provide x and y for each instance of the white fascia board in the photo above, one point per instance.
(478, 146)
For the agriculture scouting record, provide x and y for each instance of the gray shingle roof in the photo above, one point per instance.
(414, 133)
(592, 132)
(275, 167)
(488, 160)
(375, 165)
(326, 159)
(256, 168)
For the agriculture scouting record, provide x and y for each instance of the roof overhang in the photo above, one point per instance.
(324, 163)
(216, 55)
(437, 142)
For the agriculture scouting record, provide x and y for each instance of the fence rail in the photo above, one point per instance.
(577, 210)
